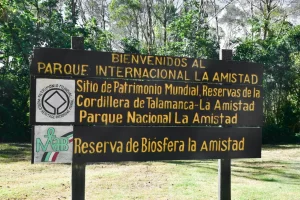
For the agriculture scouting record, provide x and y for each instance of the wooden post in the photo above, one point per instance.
(224, 170)
(78, 170)
(78, 181)
(78, 43)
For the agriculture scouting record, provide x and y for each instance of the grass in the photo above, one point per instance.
(274, 176)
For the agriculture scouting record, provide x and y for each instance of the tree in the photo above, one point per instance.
(164, 12)
(191, 36)
(97, 9)
(243, 16)
(125, 17)
(281, 78)
(16, 43)
(24, 25)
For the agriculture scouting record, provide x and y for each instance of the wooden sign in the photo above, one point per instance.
(146, 103)
(70, 63)
(110, 144)
(125, 94)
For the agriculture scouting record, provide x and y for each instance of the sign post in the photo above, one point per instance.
(78, 169)
(224, 165)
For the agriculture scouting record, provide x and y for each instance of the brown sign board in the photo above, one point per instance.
(155, 103)
(70, 63)
(124, 94)
(111, 144)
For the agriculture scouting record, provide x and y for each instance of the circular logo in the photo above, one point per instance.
(55, 101)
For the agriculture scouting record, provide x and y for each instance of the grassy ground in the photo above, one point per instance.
(275, 176)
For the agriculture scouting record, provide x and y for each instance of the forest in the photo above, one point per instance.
(260, 31)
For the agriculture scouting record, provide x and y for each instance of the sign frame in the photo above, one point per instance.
(49, 62)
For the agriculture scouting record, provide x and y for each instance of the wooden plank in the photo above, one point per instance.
(202, 99)
(224, 173)
(80, 63)
(78, 181)
(224, 170)
(78, 170)
(113, 144)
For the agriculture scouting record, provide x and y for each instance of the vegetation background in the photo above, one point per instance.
(262, 31)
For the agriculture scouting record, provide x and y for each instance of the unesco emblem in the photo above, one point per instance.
(55, 101)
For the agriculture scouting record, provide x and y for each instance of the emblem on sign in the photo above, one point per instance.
(55, 100)
(56, 144)
(53, 144)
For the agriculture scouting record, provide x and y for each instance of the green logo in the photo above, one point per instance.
(57, 144)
